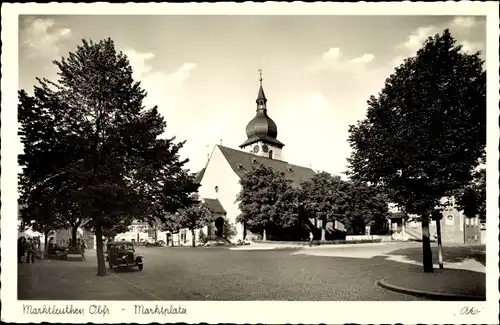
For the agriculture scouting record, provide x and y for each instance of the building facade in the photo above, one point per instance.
(456, 228)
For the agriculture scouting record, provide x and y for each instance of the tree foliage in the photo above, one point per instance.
(324, 196)
(228, 229)
(366, 206)
(425, 132)
(90, 128)
(472, 200)
(267, 199)
(194, 216)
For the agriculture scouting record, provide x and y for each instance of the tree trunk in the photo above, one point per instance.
(323, 230)
(426, 245)
(45, 243)
(193, 237)
(440, 245)
(73, 235)
(101, 264)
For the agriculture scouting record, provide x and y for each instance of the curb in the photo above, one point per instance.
(426, 294)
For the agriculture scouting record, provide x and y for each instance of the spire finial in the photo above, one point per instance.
(260, 76)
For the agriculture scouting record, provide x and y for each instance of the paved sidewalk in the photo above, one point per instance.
(72, 280)
(442, 284)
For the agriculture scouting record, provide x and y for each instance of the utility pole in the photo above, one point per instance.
(437, 216)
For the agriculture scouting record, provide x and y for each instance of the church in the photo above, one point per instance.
(219, 180)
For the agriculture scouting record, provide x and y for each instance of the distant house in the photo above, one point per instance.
(456, 228)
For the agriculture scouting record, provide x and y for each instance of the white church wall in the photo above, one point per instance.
(219, 173)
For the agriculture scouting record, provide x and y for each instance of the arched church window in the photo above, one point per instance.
(271, 154)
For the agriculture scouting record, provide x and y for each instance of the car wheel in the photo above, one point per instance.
(141, 266)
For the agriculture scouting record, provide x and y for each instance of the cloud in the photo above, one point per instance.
(471, 47)
(466, 22)
(157, 81)
(334, 59)
(139, 61)
(42, 38)
(365, 58)
(332, 54)
(417, 38)
(164, 88)
(397, 61)
(459, 27)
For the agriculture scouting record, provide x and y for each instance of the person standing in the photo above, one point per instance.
(30, 250)
(311, 237)
(82, 249)
(20, 249)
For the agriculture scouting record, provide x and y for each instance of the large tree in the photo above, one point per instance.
(323, 197)
(90, 126)
(267, 200)
(425, 132)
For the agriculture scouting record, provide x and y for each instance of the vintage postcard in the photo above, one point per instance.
(250, 163)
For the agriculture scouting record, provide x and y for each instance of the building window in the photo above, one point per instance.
(271, 154)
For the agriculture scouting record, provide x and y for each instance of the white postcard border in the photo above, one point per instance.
(259, 311)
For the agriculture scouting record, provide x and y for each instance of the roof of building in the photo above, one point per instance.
(199, 175)
(397, 215)
(261, 95)
(215, 206)
(242, 162)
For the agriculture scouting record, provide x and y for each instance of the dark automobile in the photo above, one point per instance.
(122, 254)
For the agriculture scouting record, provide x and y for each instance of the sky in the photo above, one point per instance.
(202, 71)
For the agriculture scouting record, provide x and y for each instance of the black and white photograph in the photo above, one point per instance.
(156, 160)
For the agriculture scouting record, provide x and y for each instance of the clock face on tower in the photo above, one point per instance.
(256, 148)
(265, 148)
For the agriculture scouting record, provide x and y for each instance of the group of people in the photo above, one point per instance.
(27, 247)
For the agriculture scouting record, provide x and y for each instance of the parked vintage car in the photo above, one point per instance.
(122, 254)
(159, 243)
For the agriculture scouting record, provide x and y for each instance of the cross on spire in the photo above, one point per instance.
(260, 76)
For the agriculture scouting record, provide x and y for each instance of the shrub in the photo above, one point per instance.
(323, 242)
(229, 229)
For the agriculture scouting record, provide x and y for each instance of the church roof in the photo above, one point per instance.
(261, 95)
(261, 127)
(265, 138)
(215, 206)
(199, 175)
(242, 162)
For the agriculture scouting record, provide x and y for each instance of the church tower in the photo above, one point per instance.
(262, 131)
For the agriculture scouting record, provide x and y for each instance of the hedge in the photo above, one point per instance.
(322, 242)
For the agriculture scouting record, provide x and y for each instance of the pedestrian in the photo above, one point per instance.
(20, 249)
(82, 248)
(311, 237)
(30, 250)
